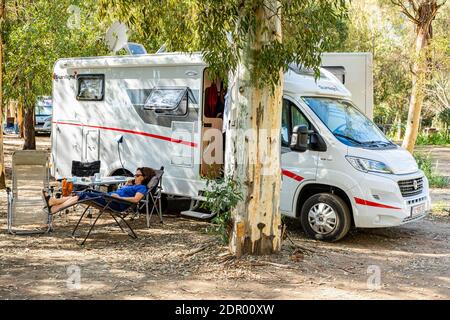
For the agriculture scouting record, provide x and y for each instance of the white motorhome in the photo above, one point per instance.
(338, 171)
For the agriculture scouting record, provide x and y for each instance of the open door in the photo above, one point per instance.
(212, 137)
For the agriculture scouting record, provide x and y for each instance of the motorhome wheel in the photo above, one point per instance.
(325, 216)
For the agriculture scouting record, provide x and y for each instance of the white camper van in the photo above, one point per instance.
(43, 115)
(338, 168)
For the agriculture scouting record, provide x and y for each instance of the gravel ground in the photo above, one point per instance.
(180, 260)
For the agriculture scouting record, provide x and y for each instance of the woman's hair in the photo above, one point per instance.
(148, 174)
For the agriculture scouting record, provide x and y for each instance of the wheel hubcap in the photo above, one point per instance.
(322, 218)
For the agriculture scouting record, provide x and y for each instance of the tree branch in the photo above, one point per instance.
(413, 5)
(406, 11)
(274, 12)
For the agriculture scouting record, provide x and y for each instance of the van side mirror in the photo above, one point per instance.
(299, 138)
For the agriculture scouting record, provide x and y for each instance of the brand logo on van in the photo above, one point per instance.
(66, 76)
(415, 185)
(332, 88)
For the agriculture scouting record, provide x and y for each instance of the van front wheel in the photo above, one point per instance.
(325, 216)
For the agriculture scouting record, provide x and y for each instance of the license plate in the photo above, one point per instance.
(418, 210)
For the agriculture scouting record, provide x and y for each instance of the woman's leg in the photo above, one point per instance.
(55, 201)
(70, 201)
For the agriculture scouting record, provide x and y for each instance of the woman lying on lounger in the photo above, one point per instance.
(133, 191)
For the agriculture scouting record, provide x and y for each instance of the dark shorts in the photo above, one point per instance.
(84, 195)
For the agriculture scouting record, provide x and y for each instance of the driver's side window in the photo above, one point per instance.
(291, 117)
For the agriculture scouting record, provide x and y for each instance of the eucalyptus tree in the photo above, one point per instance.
(373, 26)
(421, 13)
(251, 42)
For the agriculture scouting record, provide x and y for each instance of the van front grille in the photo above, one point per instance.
(412, 187)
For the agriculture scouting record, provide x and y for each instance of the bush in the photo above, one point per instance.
(425, 164)
(222, 196)
(436, 138)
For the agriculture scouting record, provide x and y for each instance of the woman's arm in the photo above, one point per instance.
(138, 197)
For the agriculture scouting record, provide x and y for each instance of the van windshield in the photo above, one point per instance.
(43, 110)
(347, 123)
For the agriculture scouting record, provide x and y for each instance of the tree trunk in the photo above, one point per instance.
(424, 14)
(253, 150)
(417, 91)
(30, 140)
(20, 116)
(2, 158)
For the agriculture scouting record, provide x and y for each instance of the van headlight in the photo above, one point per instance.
(367, 165)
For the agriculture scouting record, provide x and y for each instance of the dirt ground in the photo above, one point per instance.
(180, 260)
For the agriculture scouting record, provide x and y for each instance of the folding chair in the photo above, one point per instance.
(153, 197)
(107, 208)
(30, 174)
(84, 169)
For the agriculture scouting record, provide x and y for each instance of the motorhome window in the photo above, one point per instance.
(291, 116)
(91, 87)
(338, 72)
(298, 118)
(285, 124)
(138, 96)
(168, 101)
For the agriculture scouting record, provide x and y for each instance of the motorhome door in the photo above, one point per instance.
(297, 167)
(67, 147)
(91, 145)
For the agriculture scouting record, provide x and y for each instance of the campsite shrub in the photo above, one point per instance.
(425, 164)
(436, 138)
(222, 196)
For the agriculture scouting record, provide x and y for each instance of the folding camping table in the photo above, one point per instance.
(103, 181)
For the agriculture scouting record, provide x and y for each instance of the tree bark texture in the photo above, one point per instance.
(30, 141)
(253, 149)
(29, 134)
(20, 117)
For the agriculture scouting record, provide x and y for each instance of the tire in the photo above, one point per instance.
(321, 227)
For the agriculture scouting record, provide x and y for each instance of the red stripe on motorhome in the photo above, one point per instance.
(292, 175)
(373, 204)
(146, 134)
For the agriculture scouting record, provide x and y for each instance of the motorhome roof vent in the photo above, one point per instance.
(135, 48)
(162, 49)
